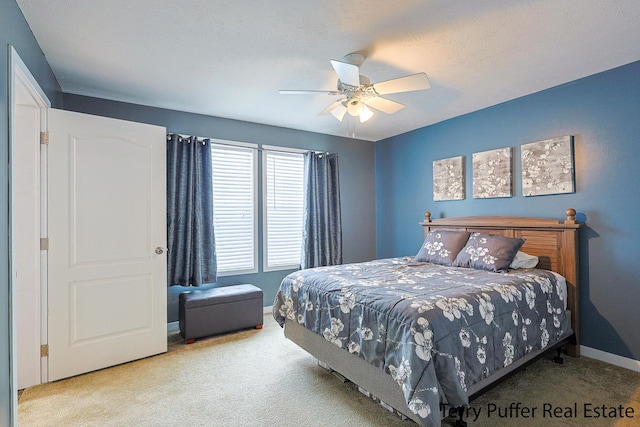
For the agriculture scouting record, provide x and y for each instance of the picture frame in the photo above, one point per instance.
(448, 179)
(548, 167)
(493, 173)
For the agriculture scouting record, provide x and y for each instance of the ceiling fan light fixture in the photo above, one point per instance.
(366, 114)
(354, 107)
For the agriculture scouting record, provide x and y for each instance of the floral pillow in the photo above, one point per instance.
(442, 246)
(488, 252)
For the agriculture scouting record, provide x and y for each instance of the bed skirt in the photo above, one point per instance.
(380, 384)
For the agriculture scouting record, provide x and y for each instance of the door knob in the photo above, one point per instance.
(159, 250)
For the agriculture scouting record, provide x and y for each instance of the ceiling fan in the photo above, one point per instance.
(358, 93)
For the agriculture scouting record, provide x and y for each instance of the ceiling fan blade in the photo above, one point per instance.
(331, 107)
(384, 105)
(307, 92)
(347, 73)
(410, 83)
(336, 108)
(339, 111)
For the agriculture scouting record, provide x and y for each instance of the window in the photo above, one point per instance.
(283, 181)
(234, 207)
(235, 215)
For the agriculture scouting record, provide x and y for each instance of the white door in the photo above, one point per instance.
(107, 238)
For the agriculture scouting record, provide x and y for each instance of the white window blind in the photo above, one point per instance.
(283, 203)
(234, 208)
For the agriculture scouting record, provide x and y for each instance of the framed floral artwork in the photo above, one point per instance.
(548, 167)
(492, 173)
(448, 179)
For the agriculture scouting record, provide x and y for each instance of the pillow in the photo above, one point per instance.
(488, 252)
(442, 246)
(524, 260)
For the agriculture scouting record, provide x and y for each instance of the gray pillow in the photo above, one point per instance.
(442, 246)
(488, 252)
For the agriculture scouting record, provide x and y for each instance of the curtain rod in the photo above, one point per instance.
(250, 145)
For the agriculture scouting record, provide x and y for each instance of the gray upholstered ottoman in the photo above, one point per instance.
(219, 310)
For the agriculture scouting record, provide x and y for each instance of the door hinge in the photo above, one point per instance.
(44, 243)
(44, 138)
(44, 350)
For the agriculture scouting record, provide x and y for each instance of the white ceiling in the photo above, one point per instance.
(229, 58)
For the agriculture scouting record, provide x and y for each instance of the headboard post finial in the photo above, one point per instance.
(427, 216)
(571, 216)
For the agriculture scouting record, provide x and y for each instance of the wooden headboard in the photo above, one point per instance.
(554, 242)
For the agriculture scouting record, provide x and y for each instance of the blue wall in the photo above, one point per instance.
(13, 31)
(603, 114)
(357, 175)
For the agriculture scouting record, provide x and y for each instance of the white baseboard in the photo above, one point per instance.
(613, 359)
(173, 326)
(267, 310)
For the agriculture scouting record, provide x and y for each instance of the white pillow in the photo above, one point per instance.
(524, 260)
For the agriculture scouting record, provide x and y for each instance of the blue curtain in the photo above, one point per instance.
(322, 232)
(191, 259)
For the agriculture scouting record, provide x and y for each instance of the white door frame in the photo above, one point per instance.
(20, 74)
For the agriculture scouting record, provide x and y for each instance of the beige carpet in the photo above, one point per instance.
(258, 378)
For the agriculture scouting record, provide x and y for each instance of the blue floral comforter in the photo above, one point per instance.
(434, 329)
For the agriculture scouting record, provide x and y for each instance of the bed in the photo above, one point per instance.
(424, 332)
